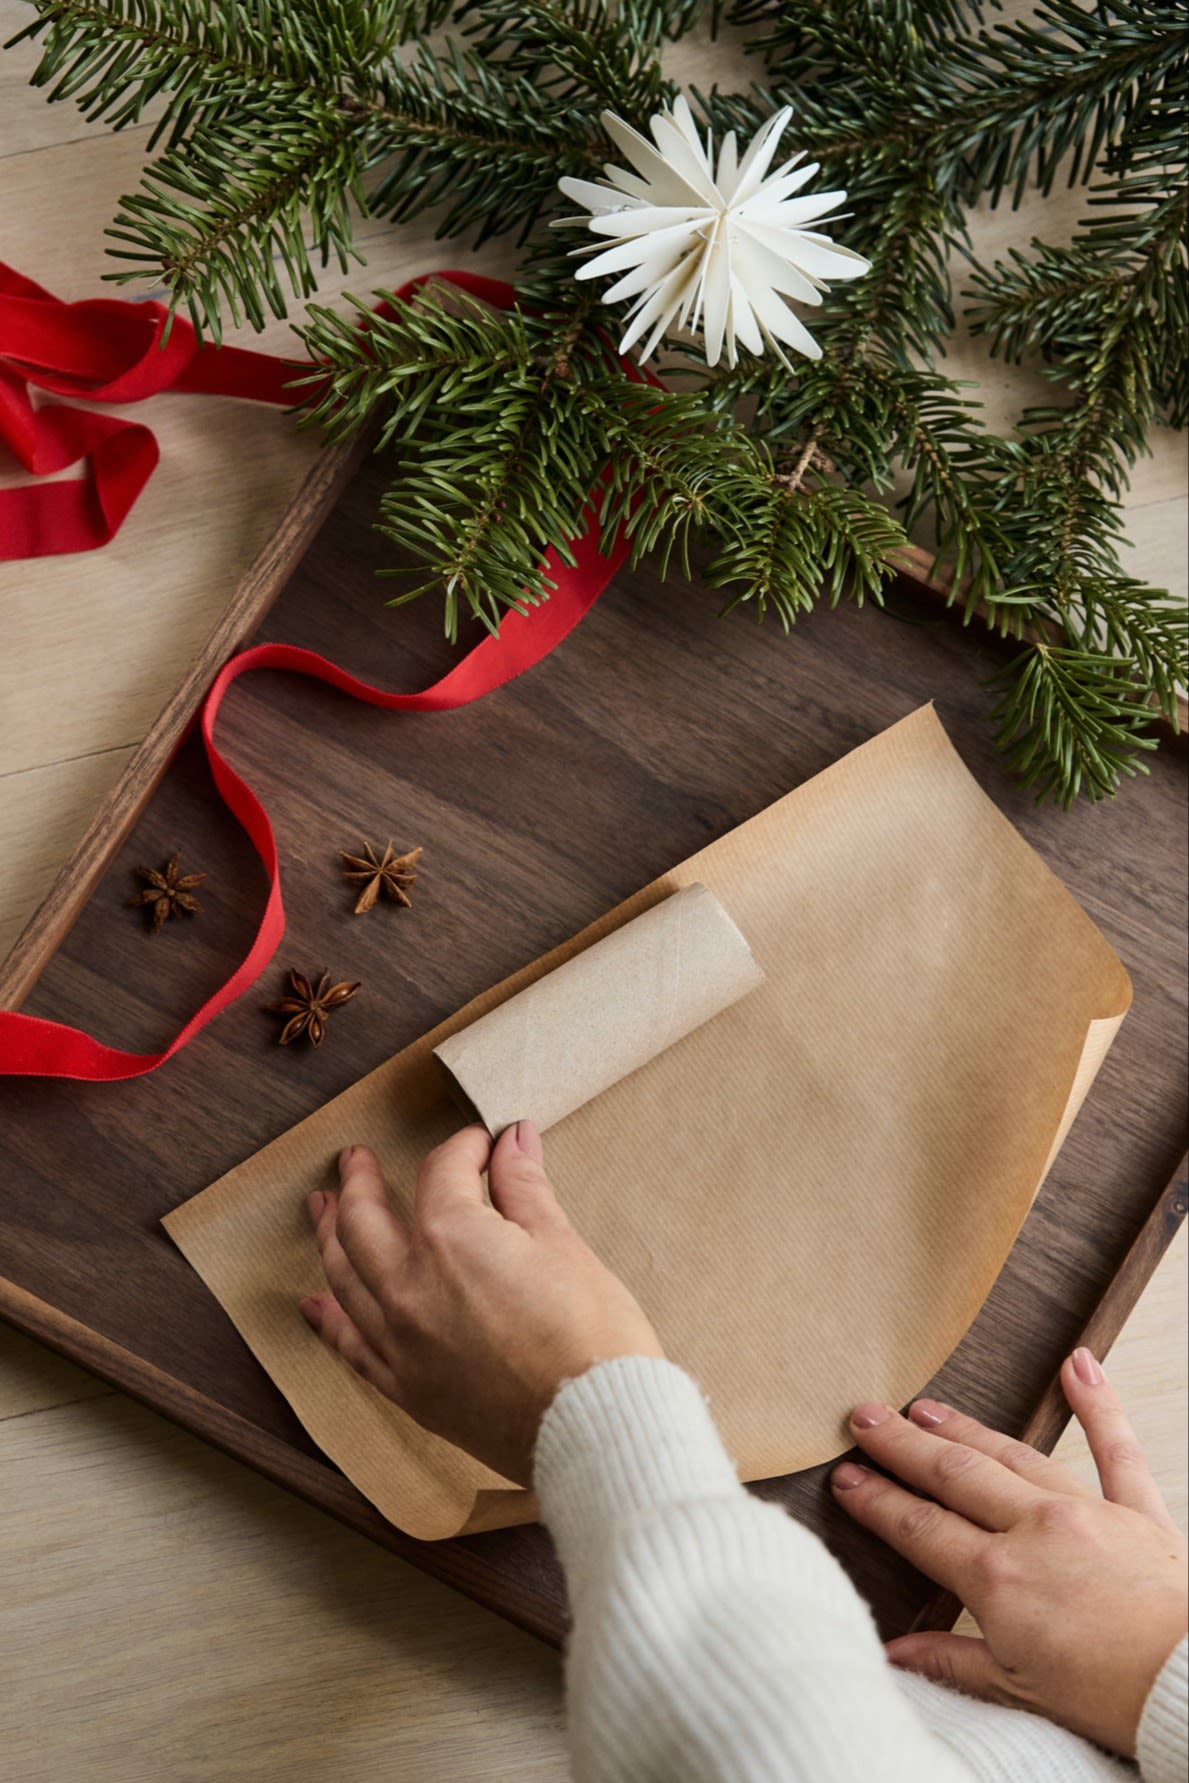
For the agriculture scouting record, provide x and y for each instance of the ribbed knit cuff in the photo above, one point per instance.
(623, 1438)
(1162, 1744)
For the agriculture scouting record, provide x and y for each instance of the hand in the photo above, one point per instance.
(1080, 1599)
(471, 1316)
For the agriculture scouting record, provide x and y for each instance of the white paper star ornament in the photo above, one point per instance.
(719, 249)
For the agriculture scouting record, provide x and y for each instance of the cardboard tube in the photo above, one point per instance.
(602, 1014)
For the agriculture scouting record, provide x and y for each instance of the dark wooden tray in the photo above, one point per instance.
(653, 729)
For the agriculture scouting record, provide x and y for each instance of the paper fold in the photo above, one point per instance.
(601, 1015)
(812, 1193)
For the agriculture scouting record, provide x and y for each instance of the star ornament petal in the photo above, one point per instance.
(720, 248)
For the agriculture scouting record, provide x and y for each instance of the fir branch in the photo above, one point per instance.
(481, 508)
(1028, 99)
(1061, 568)
(985, 112)
(479, 503)
(866, 403)
(1098, 313)
(218, 220)
(1107, 314)
(804, 541)
(498, 450)
(955, 481)
(787, 25)
(1073, 722)
(113, 57)
(441, 350)
(580, 51)
(1031, 530)
(276, 111)
(1127, 619)
(455, 129)
(670, 474)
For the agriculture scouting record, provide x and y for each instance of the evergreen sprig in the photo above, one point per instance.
(208, 57)
(1048, 94)
(506, 423)
(1070, 722)
(1107, 317)
(580, 50)
(279, 122)
(487, 145)
(229, 217)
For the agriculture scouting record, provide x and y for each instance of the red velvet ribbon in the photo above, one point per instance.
(102, 350)
(110, 351)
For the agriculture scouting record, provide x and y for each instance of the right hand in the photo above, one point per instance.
(1080, 1598)
(472, 1315)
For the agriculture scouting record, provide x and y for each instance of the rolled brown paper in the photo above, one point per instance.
(602, 1015)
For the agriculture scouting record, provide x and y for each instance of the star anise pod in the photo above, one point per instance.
(392, 874)
(308, 1007)
(167, 893)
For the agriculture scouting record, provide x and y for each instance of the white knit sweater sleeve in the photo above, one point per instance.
(715, 1640)
(1163, 1740)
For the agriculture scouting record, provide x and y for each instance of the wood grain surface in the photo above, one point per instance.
(654, 728)
(255, 593)
(182, 1621)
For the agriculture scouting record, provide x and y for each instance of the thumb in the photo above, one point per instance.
(516, 1178)
(958, 1660)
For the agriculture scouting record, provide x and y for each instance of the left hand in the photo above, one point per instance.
(1081, 1599)
(472, 1314)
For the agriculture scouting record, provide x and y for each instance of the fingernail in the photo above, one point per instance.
(1087, 1369)
(848, 1475)
(529, 1141)
(315, 1202)
(345, 1156)
(311, 1312)
(929, 1413)
(866, 1417)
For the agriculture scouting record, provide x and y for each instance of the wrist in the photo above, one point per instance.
(627, 1435)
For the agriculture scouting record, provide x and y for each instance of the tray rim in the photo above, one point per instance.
(314, 1480)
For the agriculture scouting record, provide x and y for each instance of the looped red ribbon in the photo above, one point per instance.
(110, 351)
(101, 350)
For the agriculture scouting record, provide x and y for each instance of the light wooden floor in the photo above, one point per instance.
(165, 1614)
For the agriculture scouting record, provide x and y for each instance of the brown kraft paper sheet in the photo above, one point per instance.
(811, 1193)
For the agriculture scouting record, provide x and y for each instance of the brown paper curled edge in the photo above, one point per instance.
(601, 1014)
(812, 1193)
